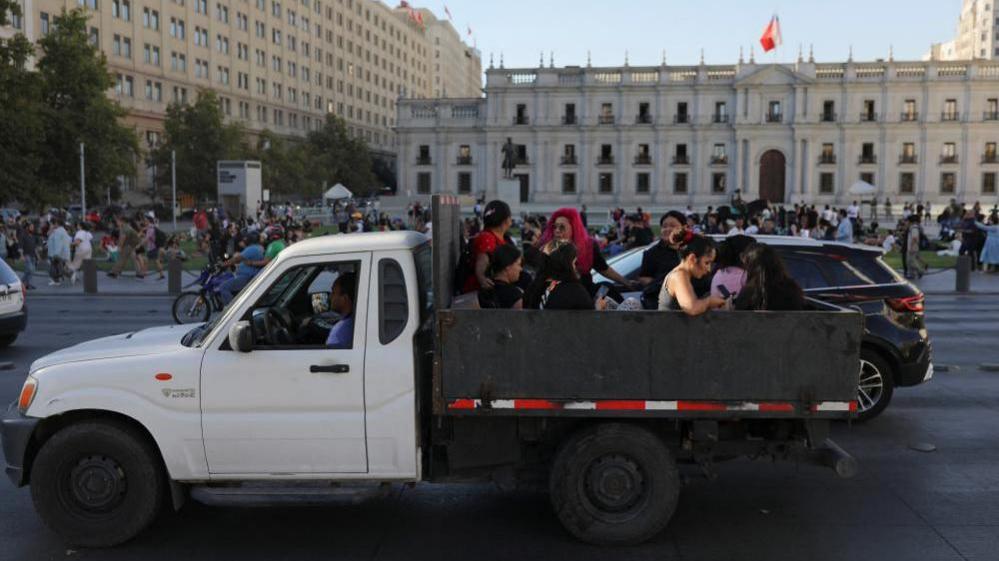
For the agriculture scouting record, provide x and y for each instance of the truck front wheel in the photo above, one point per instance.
(97, 484)
(614, 484)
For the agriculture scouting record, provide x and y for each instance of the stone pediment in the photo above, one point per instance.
(772, 75)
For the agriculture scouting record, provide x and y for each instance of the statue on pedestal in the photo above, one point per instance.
(509, 152)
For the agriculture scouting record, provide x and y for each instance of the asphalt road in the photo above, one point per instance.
(905, 504)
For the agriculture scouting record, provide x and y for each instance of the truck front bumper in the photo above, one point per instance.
(16, 431)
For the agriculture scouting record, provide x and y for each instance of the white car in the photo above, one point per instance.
(13, 313)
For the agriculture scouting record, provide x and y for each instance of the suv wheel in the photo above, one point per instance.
(876, 385)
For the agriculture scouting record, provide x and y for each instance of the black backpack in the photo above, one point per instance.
(160, 238)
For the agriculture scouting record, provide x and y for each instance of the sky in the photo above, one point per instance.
(521, 29)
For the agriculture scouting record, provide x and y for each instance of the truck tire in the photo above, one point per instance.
(97, 483)
(877, 385)
(614, 484)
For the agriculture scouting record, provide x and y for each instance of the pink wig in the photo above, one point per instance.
(580, 237)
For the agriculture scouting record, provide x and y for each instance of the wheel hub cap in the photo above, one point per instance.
(871, 386)
(614, 483)
(97, 482)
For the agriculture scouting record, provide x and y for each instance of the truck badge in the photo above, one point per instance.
(187, 392)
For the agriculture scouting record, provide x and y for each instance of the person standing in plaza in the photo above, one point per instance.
(916, 265)
(152, 238)
(844, 232)
(128, 245)
(58, 250)
(83, 250)
(29, 253)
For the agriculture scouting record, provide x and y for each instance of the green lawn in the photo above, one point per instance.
(934, 261)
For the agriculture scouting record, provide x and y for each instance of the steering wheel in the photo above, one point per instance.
(278, 322)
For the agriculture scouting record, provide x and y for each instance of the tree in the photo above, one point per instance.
(283, 164)
(22, 133)
(75, 82)
(334, 157)
(200, 138)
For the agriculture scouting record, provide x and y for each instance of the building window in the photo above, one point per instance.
(570, 114)
(464, 155)
(423, 158)
(828, 155)
(906, 183)
(867, 177)
(827, 183)
(569, 183)
(908, 153)
(423, 183)
(909, 112)
(605, 183)
(718, 156)
(644, 117)
(990, 156)
(721, 112)
(44, 27)
(681, 113)
(828, 111)
(606, 114)
(680, 183)
(521, 118)
(949, 153)
(948, 182)
(569, 154)
(681, 155)
(950, 110)
(774, 114)
(989, 183)
(464, 183)
(992, 108)
(870, 113)
(719, 183)
(867, 153)
(606, 155)
(642, 183)
(643, 157)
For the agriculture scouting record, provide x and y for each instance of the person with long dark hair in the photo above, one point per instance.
(768, 285)
(505, 267)
(496, 220)
(697, 253)
(558, 286)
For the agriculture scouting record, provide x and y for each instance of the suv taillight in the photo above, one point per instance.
(908, 304)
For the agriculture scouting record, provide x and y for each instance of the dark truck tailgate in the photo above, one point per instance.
(581, 363)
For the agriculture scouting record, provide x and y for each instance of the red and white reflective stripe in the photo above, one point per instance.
(834, 406)
(630, 405)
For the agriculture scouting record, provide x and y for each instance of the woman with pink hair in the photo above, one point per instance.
(567, 226)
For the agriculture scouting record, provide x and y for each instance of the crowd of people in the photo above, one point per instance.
(701, 262)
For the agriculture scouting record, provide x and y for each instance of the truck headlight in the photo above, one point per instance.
(27, 394)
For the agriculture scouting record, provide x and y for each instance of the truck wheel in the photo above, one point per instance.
(97, 484)
(614, 484)
(876, 385)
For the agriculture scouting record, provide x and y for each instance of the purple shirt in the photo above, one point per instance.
(732, 278)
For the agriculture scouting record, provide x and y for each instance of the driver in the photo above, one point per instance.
(341, 335)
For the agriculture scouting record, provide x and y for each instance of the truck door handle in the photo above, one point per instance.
(330, 369)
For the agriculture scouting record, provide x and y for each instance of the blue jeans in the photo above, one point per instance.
(29, 270)
(230, 288)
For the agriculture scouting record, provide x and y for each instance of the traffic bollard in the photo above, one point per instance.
(174, 269)
(89, 276)
(963, 274)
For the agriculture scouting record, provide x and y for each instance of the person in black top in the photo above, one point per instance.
(660, 259)
(504, 270)
(566, 226)
(558, 287)
(768, 286)
(639, 234)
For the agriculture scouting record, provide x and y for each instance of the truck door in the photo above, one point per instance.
(292, 405)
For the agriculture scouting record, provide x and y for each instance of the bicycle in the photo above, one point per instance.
(196, 306)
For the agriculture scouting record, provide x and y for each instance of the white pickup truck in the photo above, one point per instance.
(600, 406)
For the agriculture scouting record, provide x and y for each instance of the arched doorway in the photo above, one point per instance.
(772, 172)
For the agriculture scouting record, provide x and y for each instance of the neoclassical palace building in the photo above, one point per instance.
(677, 135)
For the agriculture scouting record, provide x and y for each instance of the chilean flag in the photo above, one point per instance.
(771, 38)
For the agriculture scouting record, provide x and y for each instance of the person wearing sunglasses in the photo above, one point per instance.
(567, 226)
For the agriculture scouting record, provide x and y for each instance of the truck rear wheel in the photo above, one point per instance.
(614, 484)
(97, 483)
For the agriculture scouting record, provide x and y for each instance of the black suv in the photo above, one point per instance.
(896, 349)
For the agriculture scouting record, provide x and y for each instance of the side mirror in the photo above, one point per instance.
(241, 337)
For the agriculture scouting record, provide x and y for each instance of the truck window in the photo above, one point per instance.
(299, 310)
(424, 280)
(393, 302)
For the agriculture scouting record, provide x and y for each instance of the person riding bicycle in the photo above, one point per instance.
(247, 266)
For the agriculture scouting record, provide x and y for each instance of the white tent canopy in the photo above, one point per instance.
(338, 191)
(863, 188)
